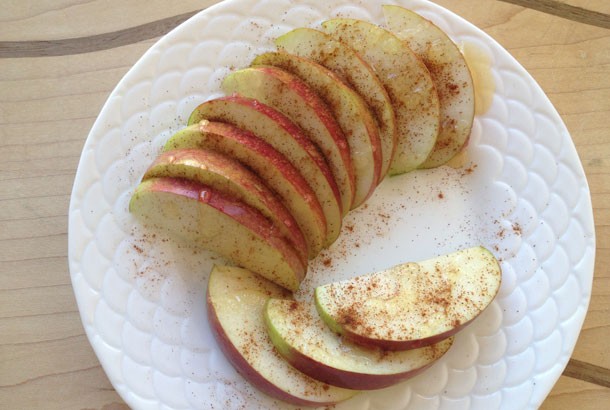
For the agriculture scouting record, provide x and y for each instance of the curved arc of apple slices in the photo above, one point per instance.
(273, 167)
(408, 82)
(347, 64)
(350, 111)
(293, 97)
(413, 304)
(286, 137)
(235, 300)
(205, 217)
(307, 344)
(224, 174)
(450, 73)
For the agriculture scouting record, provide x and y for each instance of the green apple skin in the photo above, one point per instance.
(412, 305)
(235, 301)
(311, 347)
(269, 164)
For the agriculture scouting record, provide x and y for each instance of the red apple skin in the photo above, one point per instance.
(259, 156)
(344, 378)
(241, 180)
(293, 130)
(303, 339)
(294, 64)
(241, 213)
(316, 160)
(246, 370)
(393, 345)
(337, 143)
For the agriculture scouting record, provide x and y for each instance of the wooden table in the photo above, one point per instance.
(59, 60)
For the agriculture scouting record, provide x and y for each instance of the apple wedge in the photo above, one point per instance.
(301, 337)
(413, 304)
(293, 97)
(235, 300)
(225, 174)
(351, 112)
(408, 83)
(280, 132)
(208, 218)
(270, 165)
(450, 73)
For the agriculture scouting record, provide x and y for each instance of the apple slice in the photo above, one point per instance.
(301, 337)
(407, 81)
(270, 165)
(294, 98)
(321, 48)
(450, 73)
(223, 173)
(413, 304)
(208, 218)
(350, 111)
(235, 300)
(276, 129)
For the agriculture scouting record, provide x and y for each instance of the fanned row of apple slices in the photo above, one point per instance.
(370, 332)
(306, 134)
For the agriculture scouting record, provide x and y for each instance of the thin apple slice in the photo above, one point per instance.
(408, 83)
(301, 337)
(323, 49)
(207, 218)
(280, 132)
(294, 98)
(413, 304)
(350, 111)
(450, 73)
(270, 165)
(225, 174)
(235, 300)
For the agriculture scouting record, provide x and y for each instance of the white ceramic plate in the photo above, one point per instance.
(522, 193)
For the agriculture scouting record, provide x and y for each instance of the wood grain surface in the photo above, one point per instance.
(59, 60)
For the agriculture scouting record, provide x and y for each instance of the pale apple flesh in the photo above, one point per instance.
(352, 114)
(269, 164)
(225, 174)
(203, 217)
(450, 73)
(412, 304)
(280, 132)
(408, 83)
(293, 97)
(346, 63)
(301, 337)
(235, 300)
